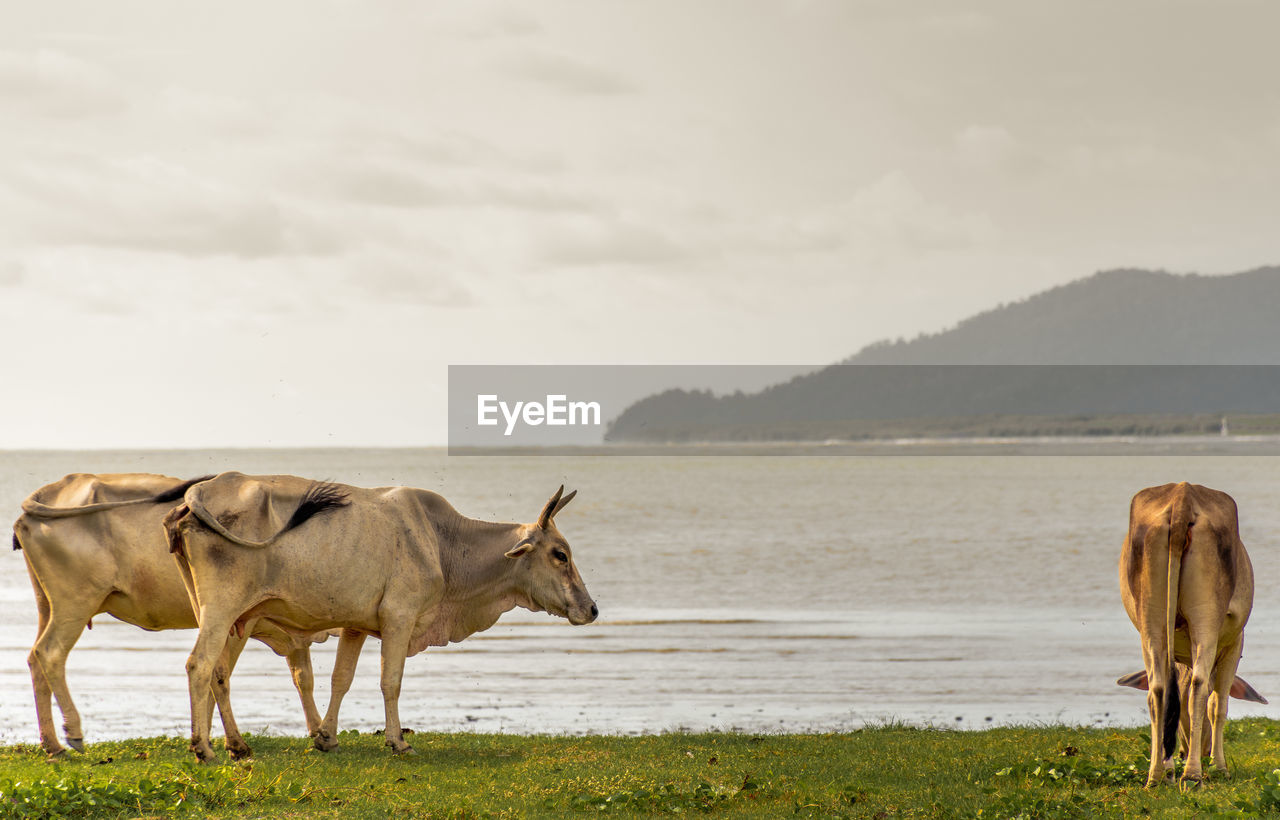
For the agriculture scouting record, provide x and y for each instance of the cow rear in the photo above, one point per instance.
(1183, 573)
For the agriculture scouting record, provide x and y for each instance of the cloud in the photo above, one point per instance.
(67, 284)
(505, 23)
(55, 84)
(790, 235)
(986, 146)
(400, 186)
(612, 242)
(449, 150)
(229, 293)
(12, 273)
(220, 113)
(150, 204)
(397, 279)
(959, 22)
(892, 213)
(566, 74)
(890, 217)
(376, 184)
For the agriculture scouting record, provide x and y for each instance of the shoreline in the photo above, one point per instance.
(1177, 445)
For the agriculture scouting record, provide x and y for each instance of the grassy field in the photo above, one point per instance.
(890, 771)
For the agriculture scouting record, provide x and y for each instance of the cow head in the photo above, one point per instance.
(546, 575)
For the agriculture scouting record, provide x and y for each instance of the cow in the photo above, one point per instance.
(397, 563)
(95, 544)
(1187, 586)
(1240, 690)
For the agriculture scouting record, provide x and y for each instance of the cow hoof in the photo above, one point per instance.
(76, 743)
(1189, 784)
(325, 742)
(402, 748)
(204, 755)
(55, 754)
(240, 751)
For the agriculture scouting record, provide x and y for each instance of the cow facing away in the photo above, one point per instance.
(95, 544)
(397, 563)
(1187, 586)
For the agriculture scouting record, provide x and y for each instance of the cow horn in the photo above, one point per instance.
(562, 503)
(544, 518)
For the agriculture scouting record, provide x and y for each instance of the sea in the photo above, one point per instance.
(760, 593)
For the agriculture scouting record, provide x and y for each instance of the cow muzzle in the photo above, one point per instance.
(579, 615)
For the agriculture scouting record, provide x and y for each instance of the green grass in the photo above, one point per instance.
(891, 771)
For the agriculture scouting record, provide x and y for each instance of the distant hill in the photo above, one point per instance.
(1121, 317)
(1113, 317)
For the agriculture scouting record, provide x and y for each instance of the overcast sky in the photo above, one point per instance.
(275, 223)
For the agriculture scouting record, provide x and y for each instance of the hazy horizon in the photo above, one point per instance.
(276, 225)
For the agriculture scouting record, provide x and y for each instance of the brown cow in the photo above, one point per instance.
(94, 544)
(1187, 586)
(397, 563)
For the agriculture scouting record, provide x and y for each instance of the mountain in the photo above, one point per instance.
(1116, 323)
(1113, 317)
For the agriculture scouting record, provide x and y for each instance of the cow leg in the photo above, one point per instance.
(1159, 680)
(204, 657)
(344, 671)
(39, 681)
(395, 647)
(299, 661)
(220, 691)
(49, 657)
(1198, 695)
(1224, 674)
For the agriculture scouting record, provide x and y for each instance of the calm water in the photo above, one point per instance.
(756, 593)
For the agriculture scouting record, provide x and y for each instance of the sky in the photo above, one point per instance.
(278, 224)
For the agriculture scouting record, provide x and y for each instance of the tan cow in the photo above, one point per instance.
(94, 544)
(397, 563)
(1187, 585)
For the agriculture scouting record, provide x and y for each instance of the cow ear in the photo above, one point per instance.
(1138, 680)
(1241, 690)
(544, 518)
(520, 548)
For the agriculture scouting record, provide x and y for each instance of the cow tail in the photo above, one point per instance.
(320, 497)
(1181, 519)
(205, 517)
(40, 510)
(172, 533)
(1172, 712)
